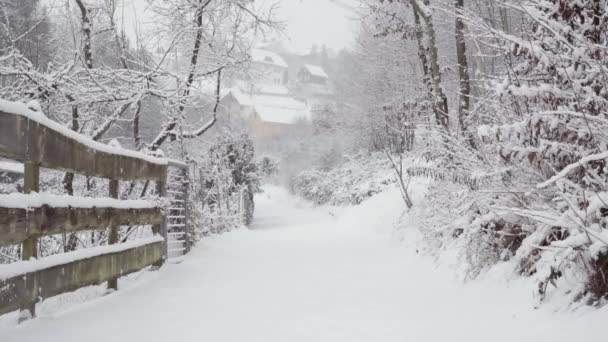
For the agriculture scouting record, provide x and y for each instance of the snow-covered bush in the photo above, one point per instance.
(533, 189)
(268, 166)
(558, 145)
(358, 178)
(229, 178)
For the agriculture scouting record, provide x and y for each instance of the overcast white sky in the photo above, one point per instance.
(308, 22)
(317, 22)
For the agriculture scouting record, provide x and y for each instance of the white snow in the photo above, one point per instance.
(12, 167)
(274, 108)
(23, 267)
(566, 170)
(280, 109)
(21, 109)
(484, 131)
(34, 105)
(316, 70)
(242, 98)
(268, 57)
(36, 200)
(275, 89)
(312, 274)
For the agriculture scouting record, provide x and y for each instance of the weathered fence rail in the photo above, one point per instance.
(19, 224)
(28, 288)
(36, 141)
(39, 140)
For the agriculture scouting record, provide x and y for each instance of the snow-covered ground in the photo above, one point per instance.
(310, 274)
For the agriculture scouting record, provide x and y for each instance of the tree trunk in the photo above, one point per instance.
(464, 101)
(431, 58)
(136, 133)
(87, 48)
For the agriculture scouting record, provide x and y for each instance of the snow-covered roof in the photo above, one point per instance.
(242, 98)
(274, 108)
(258, 87)
(316, 70)
(271, 89)
(280, 109)
(268, 57)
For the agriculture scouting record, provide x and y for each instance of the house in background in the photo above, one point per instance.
(313, 74)
(268, 116)
(268, 68)
(313, 84)
(263, 100)
(309, 79)
(280, 91)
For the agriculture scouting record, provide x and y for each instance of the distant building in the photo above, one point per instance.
(267, 115)
(268, 68)
(263, 98)
(313, 84)
(312, 74)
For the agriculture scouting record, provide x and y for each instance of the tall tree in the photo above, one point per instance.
(464, 101)
(219, 26)
(25, 26)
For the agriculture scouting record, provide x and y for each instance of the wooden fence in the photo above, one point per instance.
(38, 143)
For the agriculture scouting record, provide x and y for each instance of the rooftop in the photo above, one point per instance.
(268, 57)
(316, 70)
(275, 108)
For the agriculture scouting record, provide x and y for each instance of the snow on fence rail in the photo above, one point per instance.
(67, 272)
(34, 140)
(26, 216)
(28, 136)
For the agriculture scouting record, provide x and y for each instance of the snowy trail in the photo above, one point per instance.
(307, 274)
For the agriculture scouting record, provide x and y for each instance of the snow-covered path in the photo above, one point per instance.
(309, 274)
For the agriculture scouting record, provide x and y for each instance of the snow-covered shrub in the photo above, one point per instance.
(534, 189)
(268, 166)
(230, 176)
(559, 143)
(358, 178)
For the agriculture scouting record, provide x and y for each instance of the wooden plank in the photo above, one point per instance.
(11, 137)
(23, 139)
(16, 225)
(71, 276)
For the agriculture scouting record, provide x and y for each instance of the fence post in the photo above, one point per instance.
(187, 230)
(29, 248)
(161, 191)
(113, 237)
